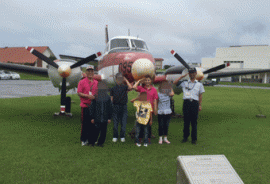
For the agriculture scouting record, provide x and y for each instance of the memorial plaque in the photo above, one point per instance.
(206, 169)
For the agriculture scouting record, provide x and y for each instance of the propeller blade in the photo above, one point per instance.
(41, 56)
(86, 60)
(63, 91)
(106, 34)
(180, 59)
(219, 67)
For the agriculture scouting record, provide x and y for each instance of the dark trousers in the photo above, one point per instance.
(190, 111)
(99, 130)
(142, 128)
(86, 125)
(163, 124)
(120, 115)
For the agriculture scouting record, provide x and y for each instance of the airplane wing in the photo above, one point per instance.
(93, 62)
(235, 73)
(24, 69)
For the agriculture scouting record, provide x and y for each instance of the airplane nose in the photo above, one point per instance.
(64, 70)
(142, 67)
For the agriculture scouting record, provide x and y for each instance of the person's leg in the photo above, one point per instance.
(103, 132)
(123, 121)
(138, 130)
(160, 127)
(146, 133)
(115, 120)
(166, 121)
(84, 124)
(186, 112)
(194, 117)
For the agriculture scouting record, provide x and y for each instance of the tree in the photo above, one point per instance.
(167, 66)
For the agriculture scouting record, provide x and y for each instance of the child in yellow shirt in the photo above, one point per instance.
(144, 118)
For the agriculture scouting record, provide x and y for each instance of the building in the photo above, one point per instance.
(242, 57)
(19, 55)
(158, 62)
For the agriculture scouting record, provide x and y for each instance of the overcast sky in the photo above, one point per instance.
(194, 29)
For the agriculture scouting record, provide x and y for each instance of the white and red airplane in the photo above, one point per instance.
(126, 54)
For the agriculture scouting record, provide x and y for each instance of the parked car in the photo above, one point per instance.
(3, 75)
(15, 76)
(210, 82)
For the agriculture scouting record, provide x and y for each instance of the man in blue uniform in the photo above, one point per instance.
(192, 96)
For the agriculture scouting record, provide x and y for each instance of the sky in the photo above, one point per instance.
(193, 28)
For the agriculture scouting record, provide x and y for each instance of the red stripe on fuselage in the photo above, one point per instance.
(123, 57)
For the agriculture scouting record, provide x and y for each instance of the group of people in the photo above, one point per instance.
(98, 108)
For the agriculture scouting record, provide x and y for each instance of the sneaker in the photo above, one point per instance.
(160, 141)
(114, 140)
(166, 141)
(83, 143)
(123, 139)
(137, 144)
(145, 144)
(95, 142)
(194, 142)
(184, 140)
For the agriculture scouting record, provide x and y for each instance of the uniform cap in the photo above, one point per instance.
(192, 70)
(89, 68)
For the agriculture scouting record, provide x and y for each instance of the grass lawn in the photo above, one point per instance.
(39, 148)
(26, 76)
(245, 84)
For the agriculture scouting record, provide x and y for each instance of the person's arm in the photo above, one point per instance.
(92, 110)
(172, 92)
(155, 106)
(128, 84)
(110, 111)
(134, 99)
(135, 87)
(200, 102)
(151, 120)
(86, 96)
(177, 80)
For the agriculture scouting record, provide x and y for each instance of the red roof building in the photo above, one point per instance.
(19, 55)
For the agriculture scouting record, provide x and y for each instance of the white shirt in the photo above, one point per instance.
(164, 105)
(192, 90)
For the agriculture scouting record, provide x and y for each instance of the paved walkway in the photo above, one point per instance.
(28, 88)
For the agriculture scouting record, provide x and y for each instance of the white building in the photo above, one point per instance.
(243, 58)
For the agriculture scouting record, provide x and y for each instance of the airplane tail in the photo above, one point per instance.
(106, 34)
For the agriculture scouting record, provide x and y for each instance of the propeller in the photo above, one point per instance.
(63, 70)
(200, 73)
(180, 59)
(86, 60)
(42, 57)
(219, 67)
(63, 91)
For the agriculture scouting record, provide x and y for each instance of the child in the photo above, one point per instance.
(144, 117)
(100, 113)
(152, 95)
(119, 98)
(164, 110)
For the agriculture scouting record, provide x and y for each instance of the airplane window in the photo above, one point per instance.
(119, 43)
(139, 44)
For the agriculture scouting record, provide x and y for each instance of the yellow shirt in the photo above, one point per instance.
(144, 110)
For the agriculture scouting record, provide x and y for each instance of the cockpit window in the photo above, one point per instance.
(119, 43)
(138, 44)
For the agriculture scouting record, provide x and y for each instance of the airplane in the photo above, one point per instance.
(126, 54)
